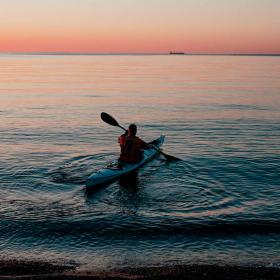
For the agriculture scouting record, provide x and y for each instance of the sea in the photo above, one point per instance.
(218, 204)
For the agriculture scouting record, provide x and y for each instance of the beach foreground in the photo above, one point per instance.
(42, 270)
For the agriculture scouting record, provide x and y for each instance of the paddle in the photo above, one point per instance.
(110, 120)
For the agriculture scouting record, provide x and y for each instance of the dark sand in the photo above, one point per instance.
(39, 270)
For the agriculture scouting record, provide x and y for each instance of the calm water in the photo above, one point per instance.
(221, 203)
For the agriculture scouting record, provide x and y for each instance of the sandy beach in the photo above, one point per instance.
(13, 269)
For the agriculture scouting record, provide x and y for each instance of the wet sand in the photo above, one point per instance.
(13, 269)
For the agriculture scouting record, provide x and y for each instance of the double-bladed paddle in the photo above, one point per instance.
(110, 120)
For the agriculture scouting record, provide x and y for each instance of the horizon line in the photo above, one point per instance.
(138, 53)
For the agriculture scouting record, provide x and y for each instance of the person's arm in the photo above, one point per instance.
(122, 139)
(144, 145)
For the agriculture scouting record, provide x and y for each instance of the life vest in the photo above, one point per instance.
(131, 147)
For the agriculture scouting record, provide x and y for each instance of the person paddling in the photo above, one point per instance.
(110, 120)
(131, 146)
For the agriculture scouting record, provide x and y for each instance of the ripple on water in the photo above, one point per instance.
(221, 202)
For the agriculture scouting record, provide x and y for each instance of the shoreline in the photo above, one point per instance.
(13, 269)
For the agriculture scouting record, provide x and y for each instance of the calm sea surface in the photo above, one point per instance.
(220, 115)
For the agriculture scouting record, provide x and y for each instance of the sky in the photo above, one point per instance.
(140, 26)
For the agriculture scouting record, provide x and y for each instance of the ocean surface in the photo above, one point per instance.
(219, 204)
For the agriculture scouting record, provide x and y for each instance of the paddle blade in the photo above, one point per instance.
(169, 157)
(108, 119)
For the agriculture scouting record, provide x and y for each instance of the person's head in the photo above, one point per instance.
(132, 129)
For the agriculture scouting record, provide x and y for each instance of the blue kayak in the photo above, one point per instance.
(115, 169)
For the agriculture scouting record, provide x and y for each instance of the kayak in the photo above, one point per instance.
(117, 169)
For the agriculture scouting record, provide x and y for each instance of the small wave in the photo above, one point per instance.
(39, 108)
(243, 107)
(75, 170)
(116, 228)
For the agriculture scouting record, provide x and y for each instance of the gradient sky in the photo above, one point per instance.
(198, 26)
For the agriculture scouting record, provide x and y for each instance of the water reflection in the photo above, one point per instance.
(224, 123)
(130, 181)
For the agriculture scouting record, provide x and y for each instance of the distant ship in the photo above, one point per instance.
(176, 53)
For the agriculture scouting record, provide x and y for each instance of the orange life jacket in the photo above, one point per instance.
(131, 147)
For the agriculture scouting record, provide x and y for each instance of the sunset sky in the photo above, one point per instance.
(153, 26)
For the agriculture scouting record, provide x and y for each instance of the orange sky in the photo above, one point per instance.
(197, 26)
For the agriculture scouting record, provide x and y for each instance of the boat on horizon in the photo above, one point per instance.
(180, 53)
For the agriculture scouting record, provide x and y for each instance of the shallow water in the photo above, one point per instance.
(220, 114)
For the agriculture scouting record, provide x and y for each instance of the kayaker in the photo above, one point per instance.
(131, 146)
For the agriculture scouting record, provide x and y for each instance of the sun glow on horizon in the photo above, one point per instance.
(199, 26)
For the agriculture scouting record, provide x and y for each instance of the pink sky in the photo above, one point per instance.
(201, 26)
